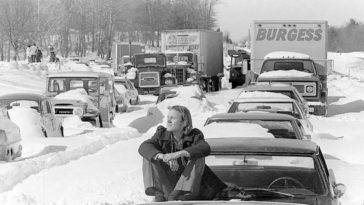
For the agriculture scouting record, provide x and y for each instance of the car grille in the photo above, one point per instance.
(149, 79)
(180, 75)
(63, 111)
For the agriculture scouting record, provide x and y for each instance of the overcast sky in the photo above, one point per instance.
(236, 16)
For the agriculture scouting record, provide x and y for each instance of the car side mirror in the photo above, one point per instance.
(339, 190)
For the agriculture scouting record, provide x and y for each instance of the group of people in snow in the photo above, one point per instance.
(174, 161)
(34, 54)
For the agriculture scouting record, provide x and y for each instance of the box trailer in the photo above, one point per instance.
(123, 52)
(205, 49)
(294, 52)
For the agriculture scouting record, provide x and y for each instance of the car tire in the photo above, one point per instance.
(100, 122)
(62, 131)
(136, 100)
(9, 155)
(44, 132)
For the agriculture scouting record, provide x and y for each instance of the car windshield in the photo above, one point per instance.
(287, 174)
(21, 103)
(281, 106)
(299, 65)
(179, 57)
(60, 85)
(279, 128)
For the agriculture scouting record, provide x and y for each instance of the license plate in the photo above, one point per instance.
(311, 109)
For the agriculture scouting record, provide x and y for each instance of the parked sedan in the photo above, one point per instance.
(50, 125)
(273, 170)
(269, 104)
(254, 124)
(10, 138)
(282, 88)
(132, 91)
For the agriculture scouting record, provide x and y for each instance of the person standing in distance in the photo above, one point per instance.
(174, 161)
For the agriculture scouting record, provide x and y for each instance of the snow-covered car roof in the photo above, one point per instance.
(258, 94)
(269, 86)
(21, 96)
(264, 99)
(249, 116)
(80, 74)
(261, 145)
(286, 55)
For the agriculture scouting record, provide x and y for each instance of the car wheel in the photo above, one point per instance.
(9, 155)
(136, 101)
(100, 122)
(44, 132)
(62, 131)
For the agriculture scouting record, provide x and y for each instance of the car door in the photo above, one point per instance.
(47, 118)
(133, 90)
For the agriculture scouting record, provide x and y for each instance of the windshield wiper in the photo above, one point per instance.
(258, 193)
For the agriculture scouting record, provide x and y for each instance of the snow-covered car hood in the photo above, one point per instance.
(78, 97)
(285, 74)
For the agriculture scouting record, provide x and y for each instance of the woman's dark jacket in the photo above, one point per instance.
(193, 143)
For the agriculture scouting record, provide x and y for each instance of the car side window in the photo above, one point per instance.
(103, 85)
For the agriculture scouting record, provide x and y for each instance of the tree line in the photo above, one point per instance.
(347, 38)
(76, 27)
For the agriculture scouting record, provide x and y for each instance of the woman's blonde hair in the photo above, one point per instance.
(186, 117)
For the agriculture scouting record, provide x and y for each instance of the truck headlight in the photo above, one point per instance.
(78, 111)
(309, 89)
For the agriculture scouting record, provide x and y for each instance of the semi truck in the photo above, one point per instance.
(152, 73)
(293, 52)
(239, 66)
(194, 55)
(122, 53)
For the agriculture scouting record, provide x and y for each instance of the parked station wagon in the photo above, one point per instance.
(269, 104)
(99, 86)
(273, 170)
(283, 88)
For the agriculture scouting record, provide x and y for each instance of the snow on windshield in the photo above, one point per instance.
(233, 129)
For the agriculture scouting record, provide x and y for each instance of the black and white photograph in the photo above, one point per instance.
(181, 102)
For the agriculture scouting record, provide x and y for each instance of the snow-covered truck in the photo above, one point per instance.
(293, 52)
(122, 53)
(194, 55)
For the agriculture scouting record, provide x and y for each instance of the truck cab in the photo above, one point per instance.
(300, 71)
(183, 65)
(239, 64)
(152, 73)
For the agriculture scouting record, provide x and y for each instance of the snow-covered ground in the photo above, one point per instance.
(102, 166)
